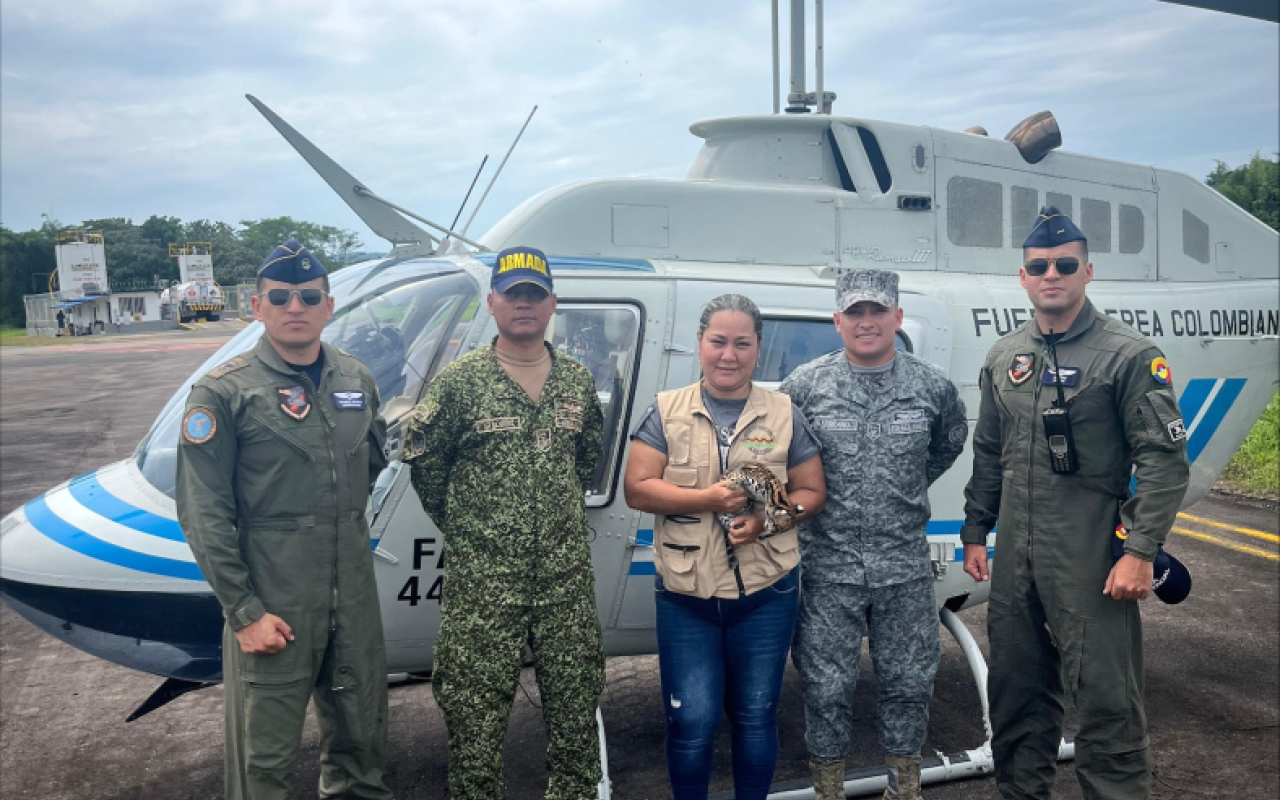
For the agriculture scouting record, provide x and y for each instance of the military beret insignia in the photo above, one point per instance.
(1160, 371)
(199, 425)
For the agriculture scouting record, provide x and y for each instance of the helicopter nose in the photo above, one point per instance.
(98, 529)
(101, 565)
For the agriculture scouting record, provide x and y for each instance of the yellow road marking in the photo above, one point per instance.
(1266, 537)
(1253, 551)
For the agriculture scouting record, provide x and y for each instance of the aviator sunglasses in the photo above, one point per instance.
(1037, 267)
(281, 297)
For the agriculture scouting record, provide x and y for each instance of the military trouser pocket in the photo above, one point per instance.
(344, 703)
(274, 668)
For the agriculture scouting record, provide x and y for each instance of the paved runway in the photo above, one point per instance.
(1212, 663)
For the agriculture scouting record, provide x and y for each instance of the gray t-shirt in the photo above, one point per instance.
(724, 416)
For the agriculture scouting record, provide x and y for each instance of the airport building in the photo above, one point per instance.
(81, 300)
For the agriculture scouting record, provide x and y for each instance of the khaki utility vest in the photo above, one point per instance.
(690, 551)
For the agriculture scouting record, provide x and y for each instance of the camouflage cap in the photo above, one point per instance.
(874, 285)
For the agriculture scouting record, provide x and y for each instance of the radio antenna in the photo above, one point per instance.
(467, 196)
(492, 180)
(1061, 402)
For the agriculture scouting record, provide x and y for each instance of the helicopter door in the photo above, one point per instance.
(604, 335)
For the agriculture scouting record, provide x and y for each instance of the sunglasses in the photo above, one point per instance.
(309, 297)
(1037, 267)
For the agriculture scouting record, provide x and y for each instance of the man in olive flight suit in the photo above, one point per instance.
(278, 450)
(1063, 617)
(890, 425)
(502, 449)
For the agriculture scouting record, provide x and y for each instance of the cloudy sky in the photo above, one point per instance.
(128, 108)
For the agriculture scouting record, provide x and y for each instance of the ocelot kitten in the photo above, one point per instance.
(762, 487)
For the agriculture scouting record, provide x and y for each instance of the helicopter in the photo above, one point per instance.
(775, 207)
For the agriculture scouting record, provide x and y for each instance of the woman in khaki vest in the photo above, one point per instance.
(726, 599)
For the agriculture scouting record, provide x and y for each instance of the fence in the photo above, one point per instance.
(42, 320)
(241, 298)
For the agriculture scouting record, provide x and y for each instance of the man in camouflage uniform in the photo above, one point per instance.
(278, 450)
(502, 449)
(890, 424)
(1062, 618)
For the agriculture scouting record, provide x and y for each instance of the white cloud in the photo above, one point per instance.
(132, 108)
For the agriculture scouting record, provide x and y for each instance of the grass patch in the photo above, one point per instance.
(1256, 466)
(18, 336)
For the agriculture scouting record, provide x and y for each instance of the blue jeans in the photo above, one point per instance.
(726, 654)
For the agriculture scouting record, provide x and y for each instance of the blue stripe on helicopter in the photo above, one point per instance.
(91, 494)
(1207, 426)
(64, 533)
(1193, 397)
(576, 262)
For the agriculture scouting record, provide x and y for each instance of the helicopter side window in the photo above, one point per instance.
(605, 339)
(788, 343)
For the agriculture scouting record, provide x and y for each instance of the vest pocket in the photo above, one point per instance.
(679, 435)
(686, 477)
(680, 563)
(781, 552)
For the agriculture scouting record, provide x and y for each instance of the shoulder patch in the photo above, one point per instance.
(199, 425)
(239, 362)
(1160, 371)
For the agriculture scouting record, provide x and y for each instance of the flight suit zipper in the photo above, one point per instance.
(333, 482)
(1031, 460)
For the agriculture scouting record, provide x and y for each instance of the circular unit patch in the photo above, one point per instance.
(1160, 371)
(759, 441)
(199, 425)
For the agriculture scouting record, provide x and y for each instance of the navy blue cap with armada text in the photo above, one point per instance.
(1053, 228)
(292, 263)
(517, 265)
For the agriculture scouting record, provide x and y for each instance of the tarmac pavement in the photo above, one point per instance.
(1212, 663)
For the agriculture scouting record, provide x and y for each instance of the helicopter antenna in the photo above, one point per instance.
(492, 180)
(467, 196)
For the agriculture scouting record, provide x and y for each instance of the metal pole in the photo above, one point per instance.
(777, 78)
(605, 789)
(797, 53)
(817, 53)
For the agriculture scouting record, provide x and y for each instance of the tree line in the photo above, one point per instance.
(138, 254)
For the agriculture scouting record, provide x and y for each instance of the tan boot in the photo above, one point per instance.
(904, 778)
(828, 779)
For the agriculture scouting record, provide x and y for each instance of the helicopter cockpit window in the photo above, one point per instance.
(398, 332)
(788, 343)
(402, 320)
(605, 339)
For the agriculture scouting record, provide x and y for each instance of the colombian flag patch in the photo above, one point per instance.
(1160, 371)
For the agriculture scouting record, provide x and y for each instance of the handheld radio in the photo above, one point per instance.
(1057, 423)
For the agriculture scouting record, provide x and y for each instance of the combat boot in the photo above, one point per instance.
(828, 779)
(904, 778)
